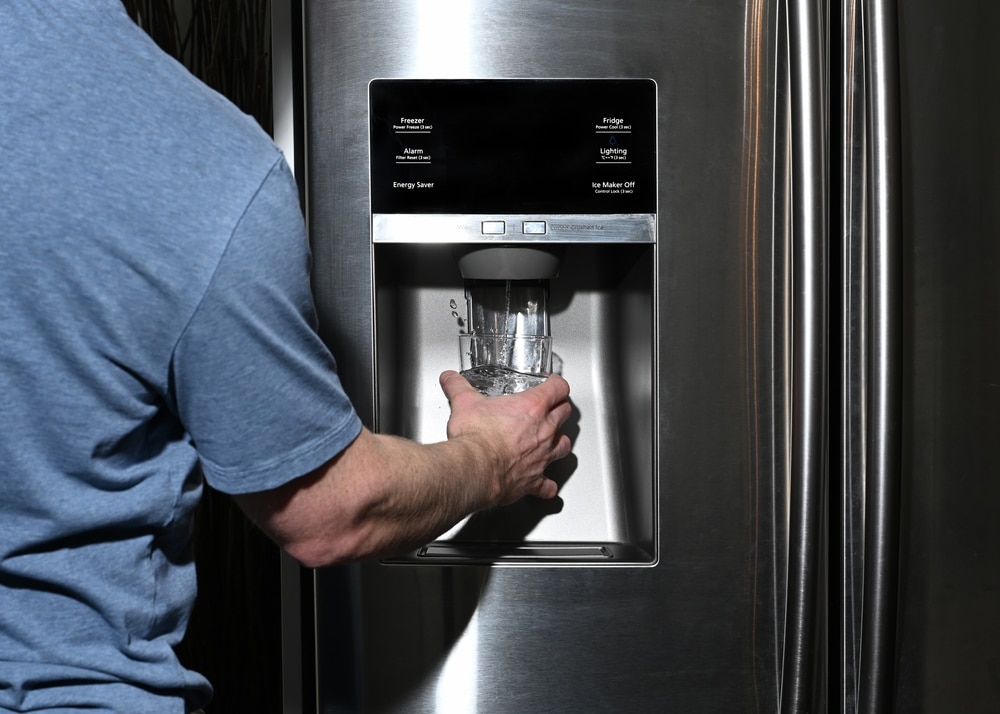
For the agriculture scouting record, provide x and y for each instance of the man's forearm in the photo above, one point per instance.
(415, 492)
(384, 494)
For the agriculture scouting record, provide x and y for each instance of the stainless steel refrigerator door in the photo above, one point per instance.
(921, 363)
(949, 629)
(702, 630)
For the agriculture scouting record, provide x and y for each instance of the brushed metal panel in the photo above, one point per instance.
(700, 631)
(803, 672)
(949, 633)
(852, 300)
(459, 228)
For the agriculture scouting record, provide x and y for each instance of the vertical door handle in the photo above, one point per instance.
(878, 628)
(852, 312)
(805, 613)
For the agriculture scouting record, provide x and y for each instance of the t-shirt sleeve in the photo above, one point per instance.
(255, 387)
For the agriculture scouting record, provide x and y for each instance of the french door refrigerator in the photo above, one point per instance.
(776, 235)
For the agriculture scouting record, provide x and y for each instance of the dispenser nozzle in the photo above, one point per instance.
(508, 262)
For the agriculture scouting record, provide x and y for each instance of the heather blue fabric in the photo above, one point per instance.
(154, 314)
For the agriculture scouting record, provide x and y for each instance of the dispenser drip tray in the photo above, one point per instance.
(481, 553)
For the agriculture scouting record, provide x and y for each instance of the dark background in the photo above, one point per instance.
(234, 637)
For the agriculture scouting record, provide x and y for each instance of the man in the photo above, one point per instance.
(156, 323)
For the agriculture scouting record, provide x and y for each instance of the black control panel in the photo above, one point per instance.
(566, 146)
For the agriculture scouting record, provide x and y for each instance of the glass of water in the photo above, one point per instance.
(504, 364)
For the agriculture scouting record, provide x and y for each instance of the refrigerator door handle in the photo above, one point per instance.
(878, 629)
(805, 615)
(852, 312)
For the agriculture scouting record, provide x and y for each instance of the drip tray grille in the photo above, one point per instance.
(551, 553)
(518, 551)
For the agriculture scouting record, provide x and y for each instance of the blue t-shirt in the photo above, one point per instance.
(155, 315)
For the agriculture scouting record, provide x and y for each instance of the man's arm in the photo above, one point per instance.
(384, 494)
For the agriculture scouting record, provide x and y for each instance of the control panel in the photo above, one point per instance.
(524, 159)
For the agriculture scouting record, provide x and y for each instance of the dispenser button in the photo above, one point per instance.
(494, 228)
(533, 228)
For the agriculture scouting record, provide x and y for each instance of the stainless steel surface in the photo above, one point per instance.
(852, 305)
(699, 629)
(932, 645)
(283, 62)
(802, 687)
(703, 628)
(949, 634)
(287, 115)
(878, 633)
(452, 228)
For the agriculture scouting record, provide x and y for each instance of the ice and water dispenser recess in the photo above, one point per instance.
(514, 234)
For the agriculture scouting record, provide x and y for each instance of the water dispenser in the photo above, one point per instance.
(513, 235)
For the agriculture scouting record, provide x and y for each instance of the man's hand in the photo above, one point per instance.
(520, 430)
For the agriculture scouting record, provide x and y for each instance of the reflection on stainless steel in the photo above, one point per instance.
(806, 606)
(577, 228)
(768, 328)
(702, 308)
(949, 635)
(728, 271)
(853, 375)
(878, 634)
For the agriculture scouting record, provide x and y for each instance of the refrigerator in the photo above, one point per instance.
(810, 452)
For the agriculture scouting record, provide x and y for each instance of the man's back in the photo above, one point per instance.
(123, 181)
